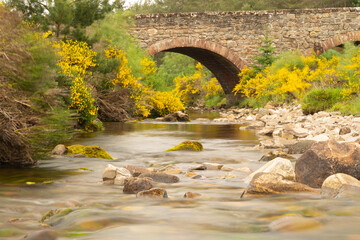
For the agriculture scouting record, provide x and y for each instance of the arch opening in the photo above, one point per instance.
(221, 61)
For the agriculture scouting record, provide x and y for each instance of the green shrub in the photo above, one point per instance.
(320, 99)
(348, 107)
(289, 60)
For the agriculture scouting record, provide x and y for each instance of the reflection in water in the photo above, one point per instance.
(97, 211)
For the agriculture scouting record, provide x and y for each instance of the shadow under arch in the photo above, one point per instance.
(224, 63)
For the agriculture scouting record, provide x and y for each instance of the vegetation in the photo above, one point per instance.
(88, 151)
(187, 146)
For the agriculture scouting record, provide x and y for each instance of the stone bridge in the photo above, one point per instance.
(226, 41)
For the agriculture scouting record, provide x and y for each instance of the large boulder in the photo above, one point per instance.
(272, 183)
(327, 158)
(279, 165)
(340, 185)
(177, 117)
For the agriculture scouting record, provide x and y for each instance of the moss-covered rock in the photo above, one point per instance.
(187, 146)
(88, 151)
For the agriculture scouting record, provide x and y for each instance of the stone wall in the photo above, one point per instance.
(240, 32)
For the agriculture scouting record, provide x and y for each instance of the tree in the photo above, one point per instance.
(266, 57)
(60, 14)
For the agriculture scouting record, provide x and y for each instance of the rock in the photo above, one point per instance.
(160, 177)
(300, 147)
(190, 174)
(293, 223)
(109, 182)
(213, 166)
(188, 146)
(244, 170)
(327, 158)
(340, 185)
(136, 170)
(177, 117)
(321, 138)
(88, 151)
(135, 185)
(60, 149)
(42, 235)
(274, 154)
(192, 195)
(120, 180)
(269, 183)
(173, 171)
(256, 125)
(227, 169)
(109, 172)
(344, 130)
(153, 193)
(278, 165)
(267, 131)
(198, 168)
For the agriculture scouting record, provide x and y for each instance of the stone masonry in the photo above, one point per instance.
(225, 41)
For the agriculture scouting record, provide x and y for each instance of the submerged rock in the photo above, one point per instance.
(270, 183)
(293, 223)
(88, 151)
(340, 185)
(274, 154)
(213, 166)
(134, 185)
(324, 159)
(192, 195)
(42, 235)
(160, 177)
(187, 146)
(153, 193)
(177, 117)
(278, 165)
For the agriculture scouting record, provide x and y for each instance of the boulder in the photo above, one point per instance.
(300, 147)
(153, 193)
(266, 131)
(136, 170)
(160, 177)
(274, 154)
(187, 146)
(293, 223)
(173, 171)
(324, 159)
(88, 151)
(60, 149)
(134, 185)
(177, 117)
(279, 165)
(272, 183)
(120, 180)
(344, 130)
(340, 185)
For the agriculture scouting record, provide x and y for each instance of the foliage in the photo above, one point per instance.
(266, 57)
(76, 58)
(320, 99)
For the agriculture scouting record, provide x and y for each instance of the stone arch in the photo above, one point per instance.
(224, 63)
(336, 41)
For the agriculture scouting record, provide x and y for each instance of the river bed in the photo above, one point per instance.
(98, 211)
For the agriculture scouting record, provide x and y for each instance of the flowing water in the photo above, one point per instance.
(97, 211)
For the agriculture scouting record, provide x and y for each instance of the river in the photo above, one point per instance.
(98, 211)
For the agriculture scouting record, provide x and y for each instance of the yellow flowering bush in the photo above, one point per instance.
(352, 85)
(147, 101)
(213, 88)
(75, 58)
(288, 82)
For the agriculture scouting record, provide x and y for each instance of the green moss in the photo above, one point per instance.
(57, 212)
(88, 151)
(187, 146)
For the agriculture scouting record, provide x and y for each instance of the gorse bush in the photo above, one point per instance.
(75, 59)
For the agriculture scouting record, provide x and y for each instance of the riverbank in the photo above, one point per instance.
(281, 127)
